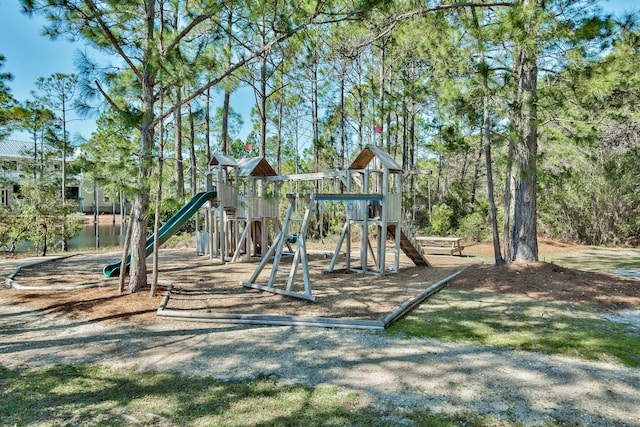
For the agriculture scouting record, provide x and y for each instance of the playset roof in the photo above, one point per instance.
(255, 166)
(373, 151)
(220, 159)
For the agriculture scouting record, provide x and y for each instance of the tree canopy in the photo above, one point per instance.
(540, 95)
(6, 100)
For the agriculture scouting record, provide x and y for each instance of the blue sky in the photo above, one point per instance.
(30, 55)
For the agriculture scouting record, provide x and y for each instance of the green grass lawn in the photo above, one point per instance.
(100, 396)
(597, 259)
(524, 324)
(517, 322)
(591, 258)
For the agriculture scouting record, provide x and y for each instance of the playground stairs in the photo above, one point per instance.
(409, 245)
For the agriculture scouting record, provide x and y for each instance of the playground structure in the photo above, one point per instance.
(237, 222)
(374, 200)
(241, 219)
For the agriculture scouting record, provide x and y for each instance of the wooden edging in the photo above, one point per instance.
(10, 282)
(272, 320)
(282, 320)
(411, 303)
(20, 287)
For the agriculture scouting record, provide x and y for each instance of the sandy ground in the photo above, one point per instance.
(73, 327)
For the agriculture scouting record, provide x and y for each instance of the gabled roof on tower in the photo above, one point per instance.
(255, 166)
(220, 159)
(374, 151)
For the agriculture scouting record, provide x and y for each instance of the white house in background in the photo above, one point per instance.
(14, 155)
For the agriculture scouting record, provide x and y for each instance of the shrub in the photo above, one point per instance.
(474, 227)
(441, 216)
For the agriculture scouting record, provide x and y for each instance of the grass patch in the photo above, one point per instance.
(597, 259)
(594, 258)
(523, 324)
(101, 396)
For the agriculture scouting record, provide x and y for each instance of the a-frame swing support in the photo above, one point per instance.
(299, 257)
(300, 254)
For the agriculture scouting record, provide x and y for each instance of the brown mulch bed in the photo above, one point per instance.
(550, 281)
(204, 285)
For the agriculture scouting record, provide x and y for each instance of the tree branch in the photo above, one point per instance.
(403, 17)
(107, 97)
(199, 19)
(267, 47)
(112, 38)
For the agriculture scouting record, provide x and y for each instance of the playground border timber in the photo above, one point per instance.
(10, 279)
(283, 320)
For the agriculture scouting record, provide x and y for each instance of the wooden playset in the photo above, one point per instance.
(243, 220)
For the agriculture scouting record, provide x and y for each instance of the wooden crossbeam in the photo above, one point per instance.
(336, 196)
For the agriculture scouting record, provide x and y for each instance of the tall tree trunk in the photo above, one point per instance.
(158, 210)
(486, 143)
(463, 172)
(360, 108)
(263, 106)
(476, 174)
(261, 95)
(380, 120)
(227, 90)
(413, 161)
(343, 125)
(405, 135)
(65, 242)
(35, 155)
(224, 144)
(156, 219)
(44, 237)
(486, 134)
(126, 245)
(315, 126)
(139, 210)
(192, 151)
(281, 99)
(207, 136)
(140, 204)
(521, 243)
(440, 170)
(178, 148)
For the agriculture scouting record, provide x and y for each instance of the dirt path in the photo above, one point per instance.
(388, 372)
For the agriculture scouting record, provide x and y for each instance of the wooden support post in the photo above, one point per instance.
(336, 253)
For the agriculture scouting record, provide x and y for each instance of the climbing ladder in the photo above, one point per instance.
(409, 244)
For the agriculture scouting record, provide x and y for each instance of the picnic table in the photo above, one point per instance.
(451, 244)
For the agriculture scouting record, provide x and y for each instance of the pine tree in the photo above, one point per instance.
(6, 101)
(131, 31)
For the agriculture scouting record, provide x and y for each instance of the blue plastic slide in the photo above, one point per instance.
(168, 229)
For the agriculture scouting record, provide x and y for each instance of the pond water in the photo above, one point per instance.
(109, 236)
